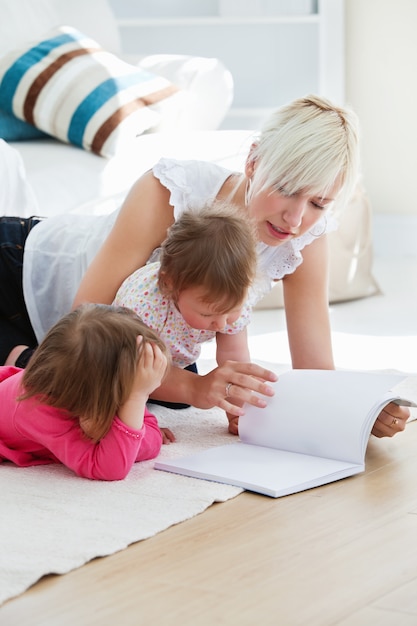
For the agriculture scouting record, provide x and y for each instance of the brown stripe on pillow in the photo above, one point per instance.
(118, 116)
(113, 122)
(161, 94)
(42, 79)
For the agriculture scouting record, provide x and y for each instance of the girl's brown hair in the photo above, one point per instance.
(86, 364)
(214, 248)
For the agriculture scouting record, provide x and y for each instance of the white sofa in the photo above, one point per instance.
(65, 177)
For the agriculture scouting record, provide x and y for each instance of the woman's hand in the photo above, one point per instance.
(228, 386)
(232, 384)
(391, 420)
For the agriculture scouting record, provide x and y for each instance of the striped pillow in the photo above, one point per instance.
(70, 88)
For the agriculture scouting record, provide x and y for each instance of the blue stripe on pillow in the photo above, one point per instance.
(13, 129)
(97, 98)
(23, 64)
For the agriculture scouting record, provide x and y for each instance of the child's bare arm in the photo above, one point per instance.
(232, 347)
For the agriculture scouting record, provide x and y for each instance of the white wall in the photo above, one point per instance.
(381, 85)
(276, 50)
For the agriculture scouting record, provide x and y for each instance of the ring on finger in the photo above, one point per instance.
(228, 389)
(395, 420)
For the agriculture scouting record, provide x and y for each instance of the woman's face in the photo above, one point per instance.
(280, 217)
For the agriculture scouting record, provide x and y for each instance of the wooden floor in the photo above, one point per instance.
(342, 554)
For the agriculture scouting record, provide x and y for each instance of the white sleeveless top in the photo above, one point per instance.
(59, 249)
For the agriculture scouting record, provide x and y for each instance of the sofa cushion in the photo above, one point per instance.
(206, 82)
(69, 87)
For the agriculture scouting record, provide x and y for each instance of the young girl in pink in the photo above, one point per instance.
(82, 399)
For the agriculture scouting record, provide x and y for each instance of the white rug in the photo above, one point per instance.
(52, 521)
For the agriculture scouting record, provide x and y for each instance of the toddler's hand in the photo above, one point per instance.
(167, 435)
(151, 368)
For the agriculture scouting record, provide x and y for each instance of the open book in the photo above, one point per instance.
(315, 430)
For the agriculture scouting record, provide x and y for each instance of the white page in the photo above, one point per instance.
(407, 388)
(264, 470)
(326, 413)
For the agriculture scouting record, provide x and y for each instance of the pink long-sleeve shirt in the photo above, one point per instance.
(36, 434)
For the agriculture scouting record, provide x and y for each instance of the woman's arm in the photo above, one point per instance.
(307, 309)
(309, 334)
(140, 227)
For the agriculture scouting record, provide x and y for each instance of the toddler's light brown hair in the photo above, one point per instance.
(214, 248)
(86, 364)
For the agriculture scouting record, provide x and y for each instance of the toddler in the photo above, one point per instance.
(82, 399)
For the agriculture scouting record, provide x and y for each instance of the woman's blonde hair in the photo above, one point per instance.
(214, 248)
(309, 145)
(86, 364)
